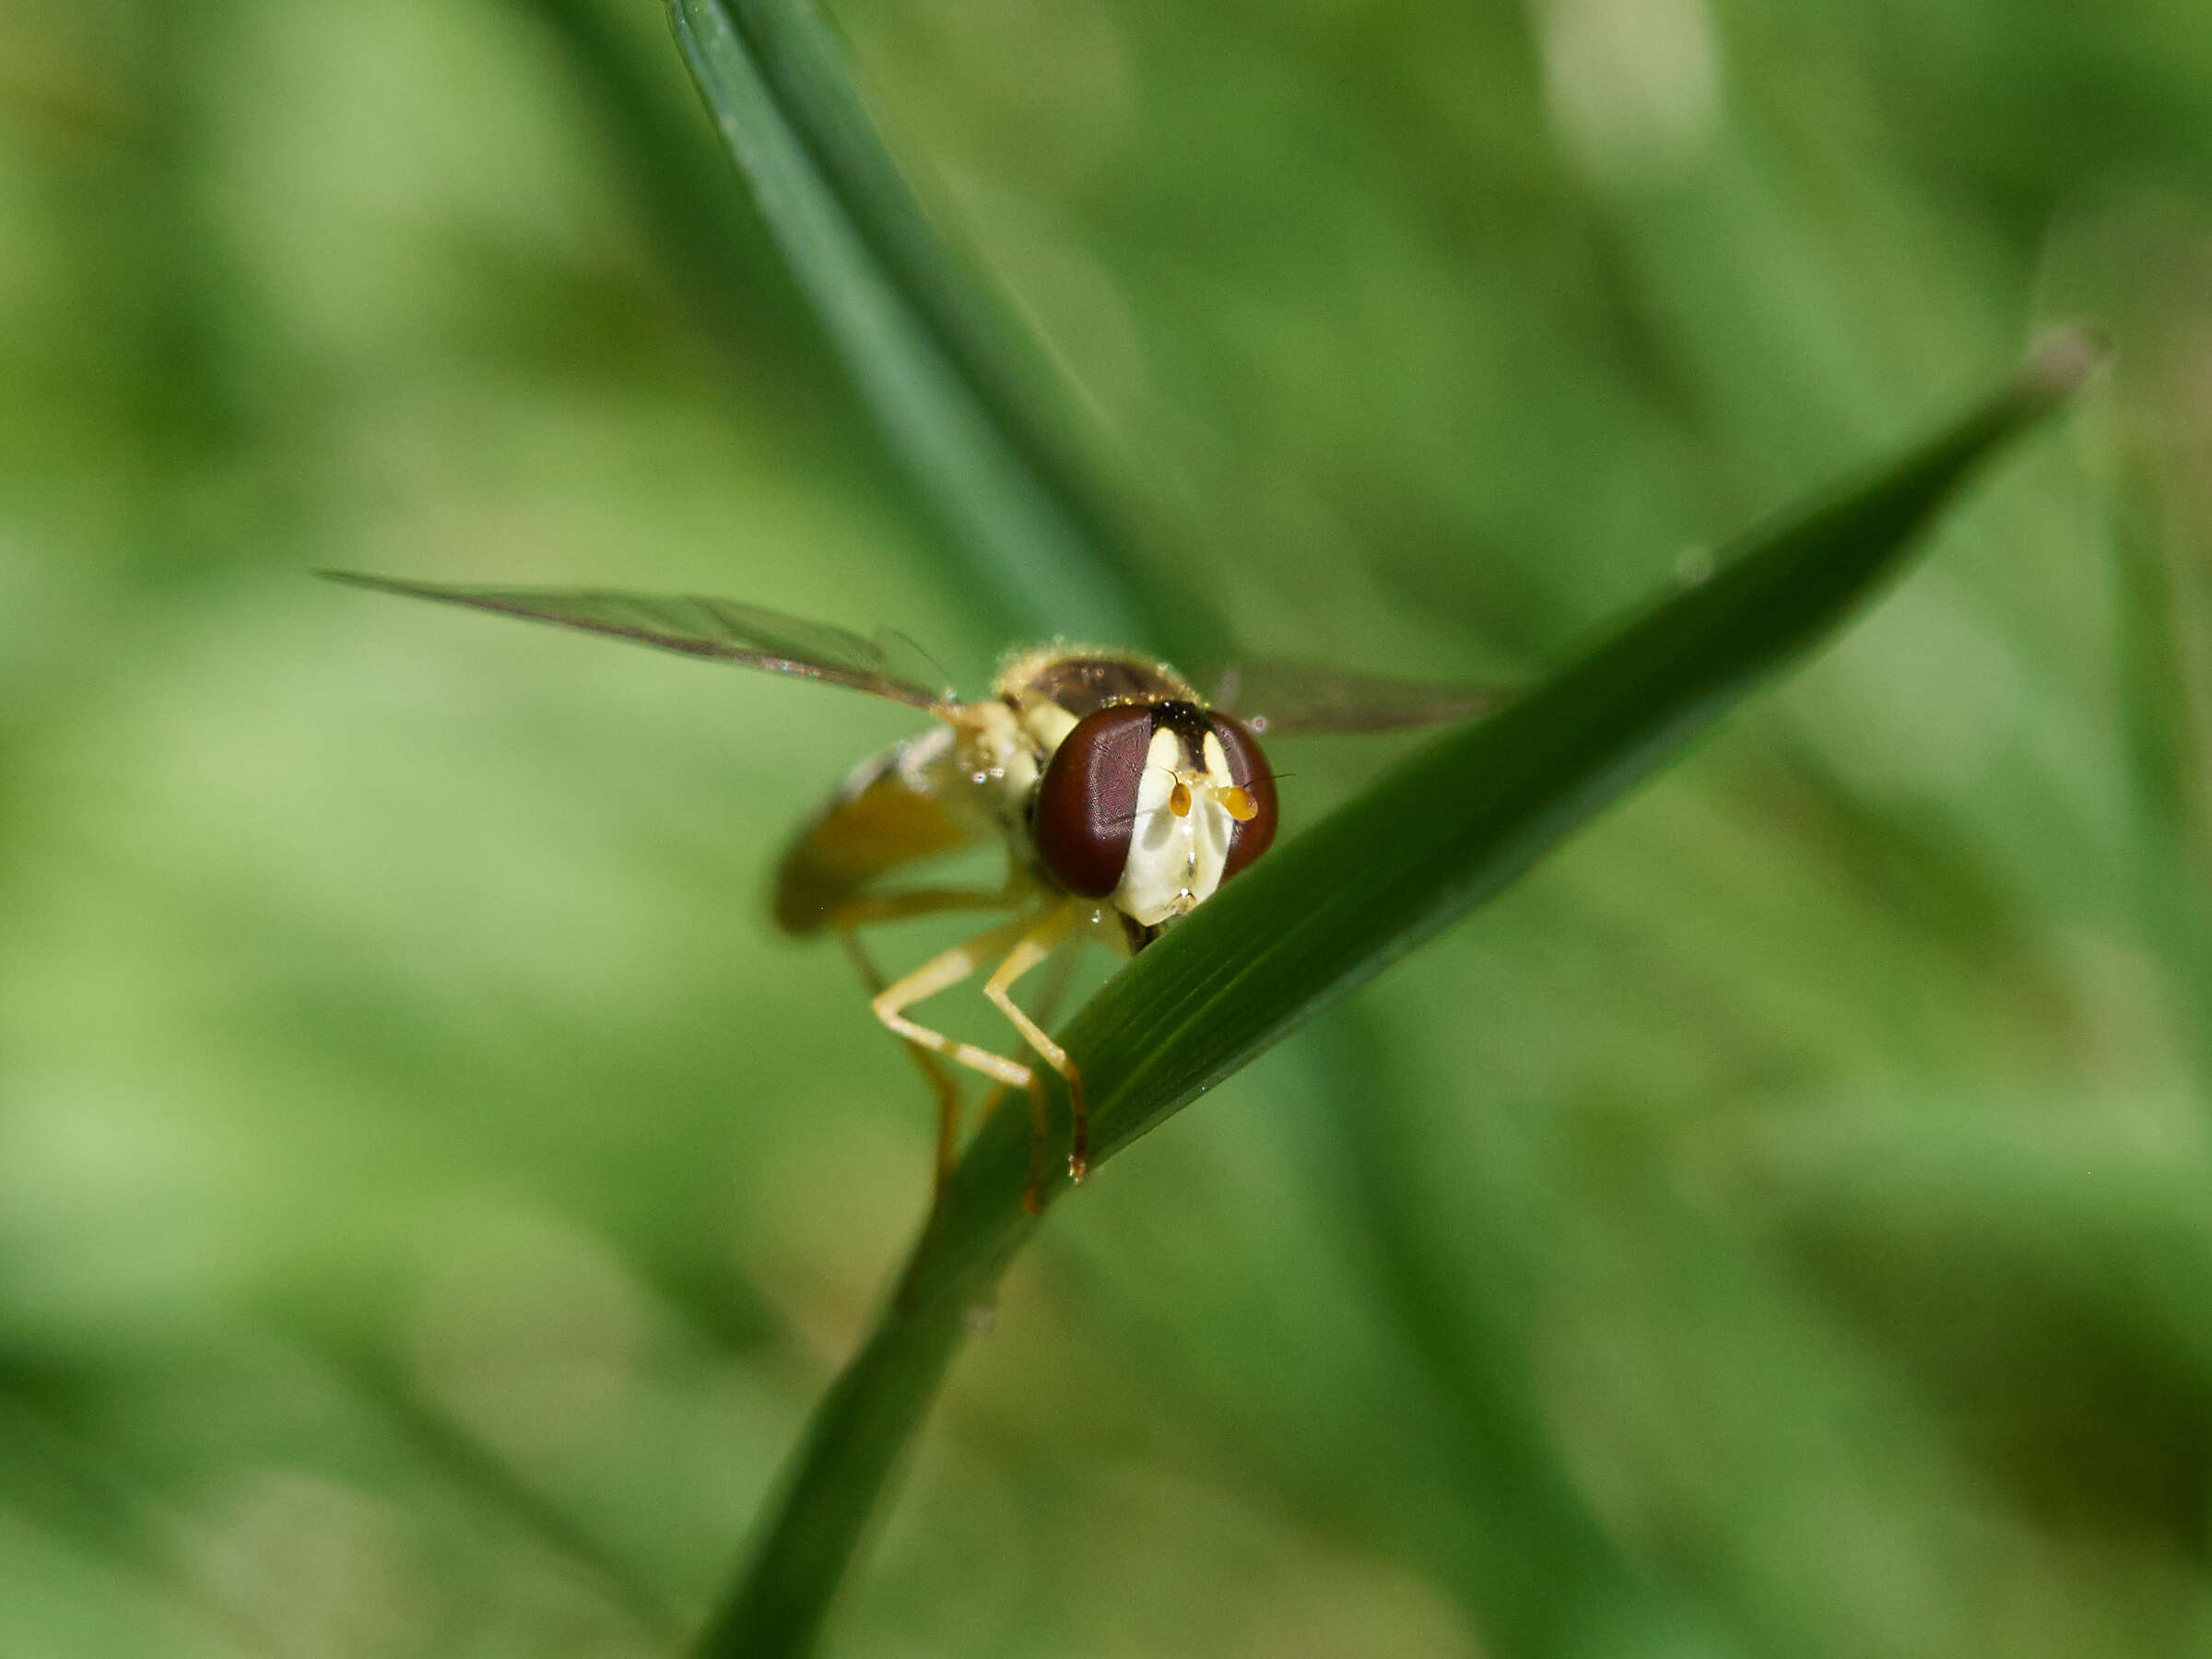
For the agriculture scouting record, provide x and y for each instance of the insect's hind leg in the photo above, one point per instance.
(870, 909)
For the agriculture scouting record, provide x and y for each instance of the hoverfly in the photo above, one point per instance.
(1124, 799)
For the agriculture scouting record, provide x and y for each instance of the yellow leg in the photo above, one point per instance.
(1038, 943)
(873, 908)
(1059, 974)
(1026, 942)
(941, 973)
(942, 1084)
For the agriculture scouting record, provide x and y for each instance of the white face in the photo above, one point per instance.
(1175, 857)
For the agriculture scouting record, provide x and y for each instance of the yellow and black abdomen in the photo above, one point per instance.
(908, 804)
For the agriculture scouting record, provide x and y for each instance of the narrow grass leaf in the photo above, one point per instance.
(952, 380)
(1447, 829)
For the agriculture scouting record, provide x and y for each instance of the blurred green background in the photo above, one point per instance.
(431, 1200)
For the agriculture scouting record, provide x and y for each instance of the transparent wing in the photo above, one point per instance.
(887, 665)
(1271, 696)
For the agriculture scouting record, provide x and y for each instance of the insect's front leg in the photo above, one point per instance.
(1039, 942)
(871, 909)
(942, 972)
(943, 1086)
(1059, 976)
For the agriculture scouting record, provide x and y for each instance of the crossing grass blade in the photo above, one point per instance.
(1450, 826)
(953, 381)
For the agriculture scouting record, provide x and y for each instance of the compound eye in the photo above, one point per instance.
(1087, 799)
(1249, 772)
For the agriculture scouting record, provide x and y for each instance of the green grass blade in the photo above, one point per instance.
(2162, 725)
(948, 376)
(1474, 810)
(1319, 916)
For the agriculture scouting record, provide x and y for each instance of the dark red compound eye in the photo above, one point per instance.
(1087, 799)
(1248, 770)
